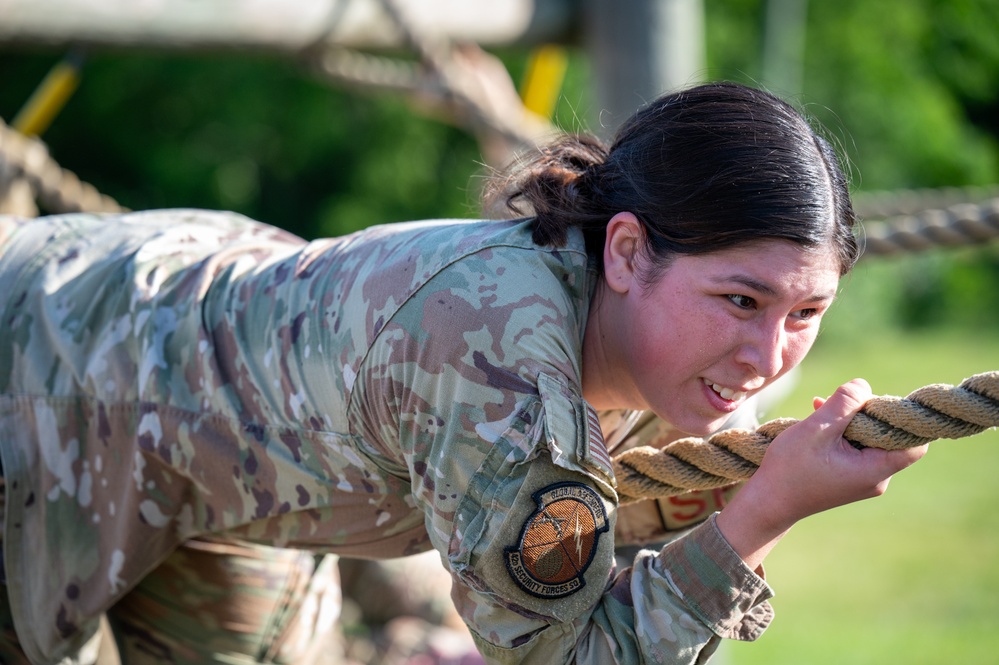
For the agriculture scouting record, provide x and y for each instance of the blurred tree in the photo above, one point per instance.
(910, 88)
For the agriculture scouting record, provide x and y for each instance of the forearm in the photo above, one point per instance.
(748, 527)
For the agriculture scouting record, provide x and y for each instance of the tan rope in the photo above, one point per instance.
(898, 202)
(57, 189)
(956, 225)
(458, 83)
(937, 411)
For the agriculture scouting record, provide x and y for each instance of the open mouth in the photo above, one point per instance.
(727, 393)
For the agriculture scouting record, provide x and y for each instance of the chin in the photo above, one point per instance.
(703, 432)
(698, 428)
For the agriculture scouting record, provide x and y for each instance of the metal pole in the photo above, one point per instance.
(639, 50)
(784, 46)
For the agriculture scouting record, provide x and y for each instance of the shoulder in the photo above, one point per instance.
(489, 304)
(438, 278)
(416, 252)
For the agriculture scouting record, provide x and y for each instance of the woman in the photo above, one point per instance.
(185, 377)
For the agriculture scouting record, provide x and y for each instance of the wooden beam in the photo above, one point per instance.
(277, 25)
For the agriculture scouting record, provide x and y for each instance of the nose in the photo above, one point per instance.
(763, 348)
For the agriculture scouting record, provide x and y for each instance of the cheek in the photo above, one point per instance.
(650, 351)
(667, 354)
(798, 347)
(651, 331)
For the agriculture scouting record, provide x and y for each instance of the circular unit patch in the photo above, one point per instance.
(558, 540)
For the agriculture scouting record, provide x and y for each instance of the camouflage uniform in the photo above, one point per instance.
(175, 375)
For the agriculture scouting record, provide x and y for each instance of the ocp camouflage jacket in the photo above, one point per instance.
(172, 374)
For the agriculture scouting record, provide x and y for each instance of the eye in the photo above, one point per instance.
(807, 313)
(740, 301)
(810, 313)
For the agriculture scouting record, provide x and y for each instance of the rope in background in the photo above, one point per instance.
(956, 225)
(57, 189)
(893, 203)
(938, 411)
(458, 82)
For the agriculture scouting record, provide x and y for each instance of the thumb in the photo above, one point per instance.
(842, 405)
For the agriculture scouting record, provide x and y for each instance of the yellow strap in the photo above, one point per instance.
(543, 79)
(49, 97)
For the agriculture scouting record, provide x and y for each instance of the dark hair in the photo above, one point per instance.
(703, 169)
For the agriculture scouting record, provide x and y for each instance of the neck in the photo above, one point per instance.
(600, 364)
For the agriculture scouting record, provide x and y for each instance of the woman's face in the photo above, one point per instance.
(712, 331)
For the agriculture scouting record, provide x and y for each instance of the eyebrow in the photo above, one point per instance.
(767, 290)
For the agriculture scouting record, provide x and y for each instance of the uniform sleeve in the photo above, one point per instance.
(522, 511)
(529, 596)
(475, 389)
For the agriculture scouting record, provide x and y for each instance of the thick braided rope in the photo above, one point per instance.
(899, 202)
(937, 411)
(953, 226)
(58, 190)
(434, 53)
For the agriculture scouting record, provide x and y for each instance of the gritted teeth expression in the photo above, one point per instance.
(727, 393)
(716, 328)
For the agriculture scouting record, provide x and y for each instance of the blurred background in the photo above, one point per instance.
(327, 116)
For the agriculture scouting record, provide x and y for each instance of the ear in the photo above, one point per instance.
(625, 236)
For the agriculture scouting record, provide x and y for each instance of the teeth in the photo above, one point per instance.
(728, 393)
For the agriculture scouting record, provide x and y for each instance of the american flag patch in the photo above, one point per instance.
(596, 450)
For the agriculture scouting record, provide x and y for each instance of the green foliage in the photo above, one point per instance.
(941, 289)
(262, 137)
(250, 134)
(908, 87)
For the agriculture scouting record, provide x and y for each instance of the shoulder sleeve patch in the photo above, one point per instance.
(558, 540)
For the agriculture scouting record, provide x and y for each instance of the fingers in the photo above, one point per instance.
(810, 467)
(846, 402)
(849, 398)
(913, 455)
(839, 409)
(817, 402)
(896, 460)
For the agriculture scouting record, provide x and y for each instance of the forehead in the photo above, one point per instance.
(766, 265)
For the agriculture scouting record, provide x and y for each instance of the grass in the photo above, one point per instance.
(911, 577)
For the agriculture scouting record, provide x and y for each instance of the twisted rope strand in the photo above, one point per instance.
(57, 189)
(938, 411)
(897, 202)
(957, 225)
